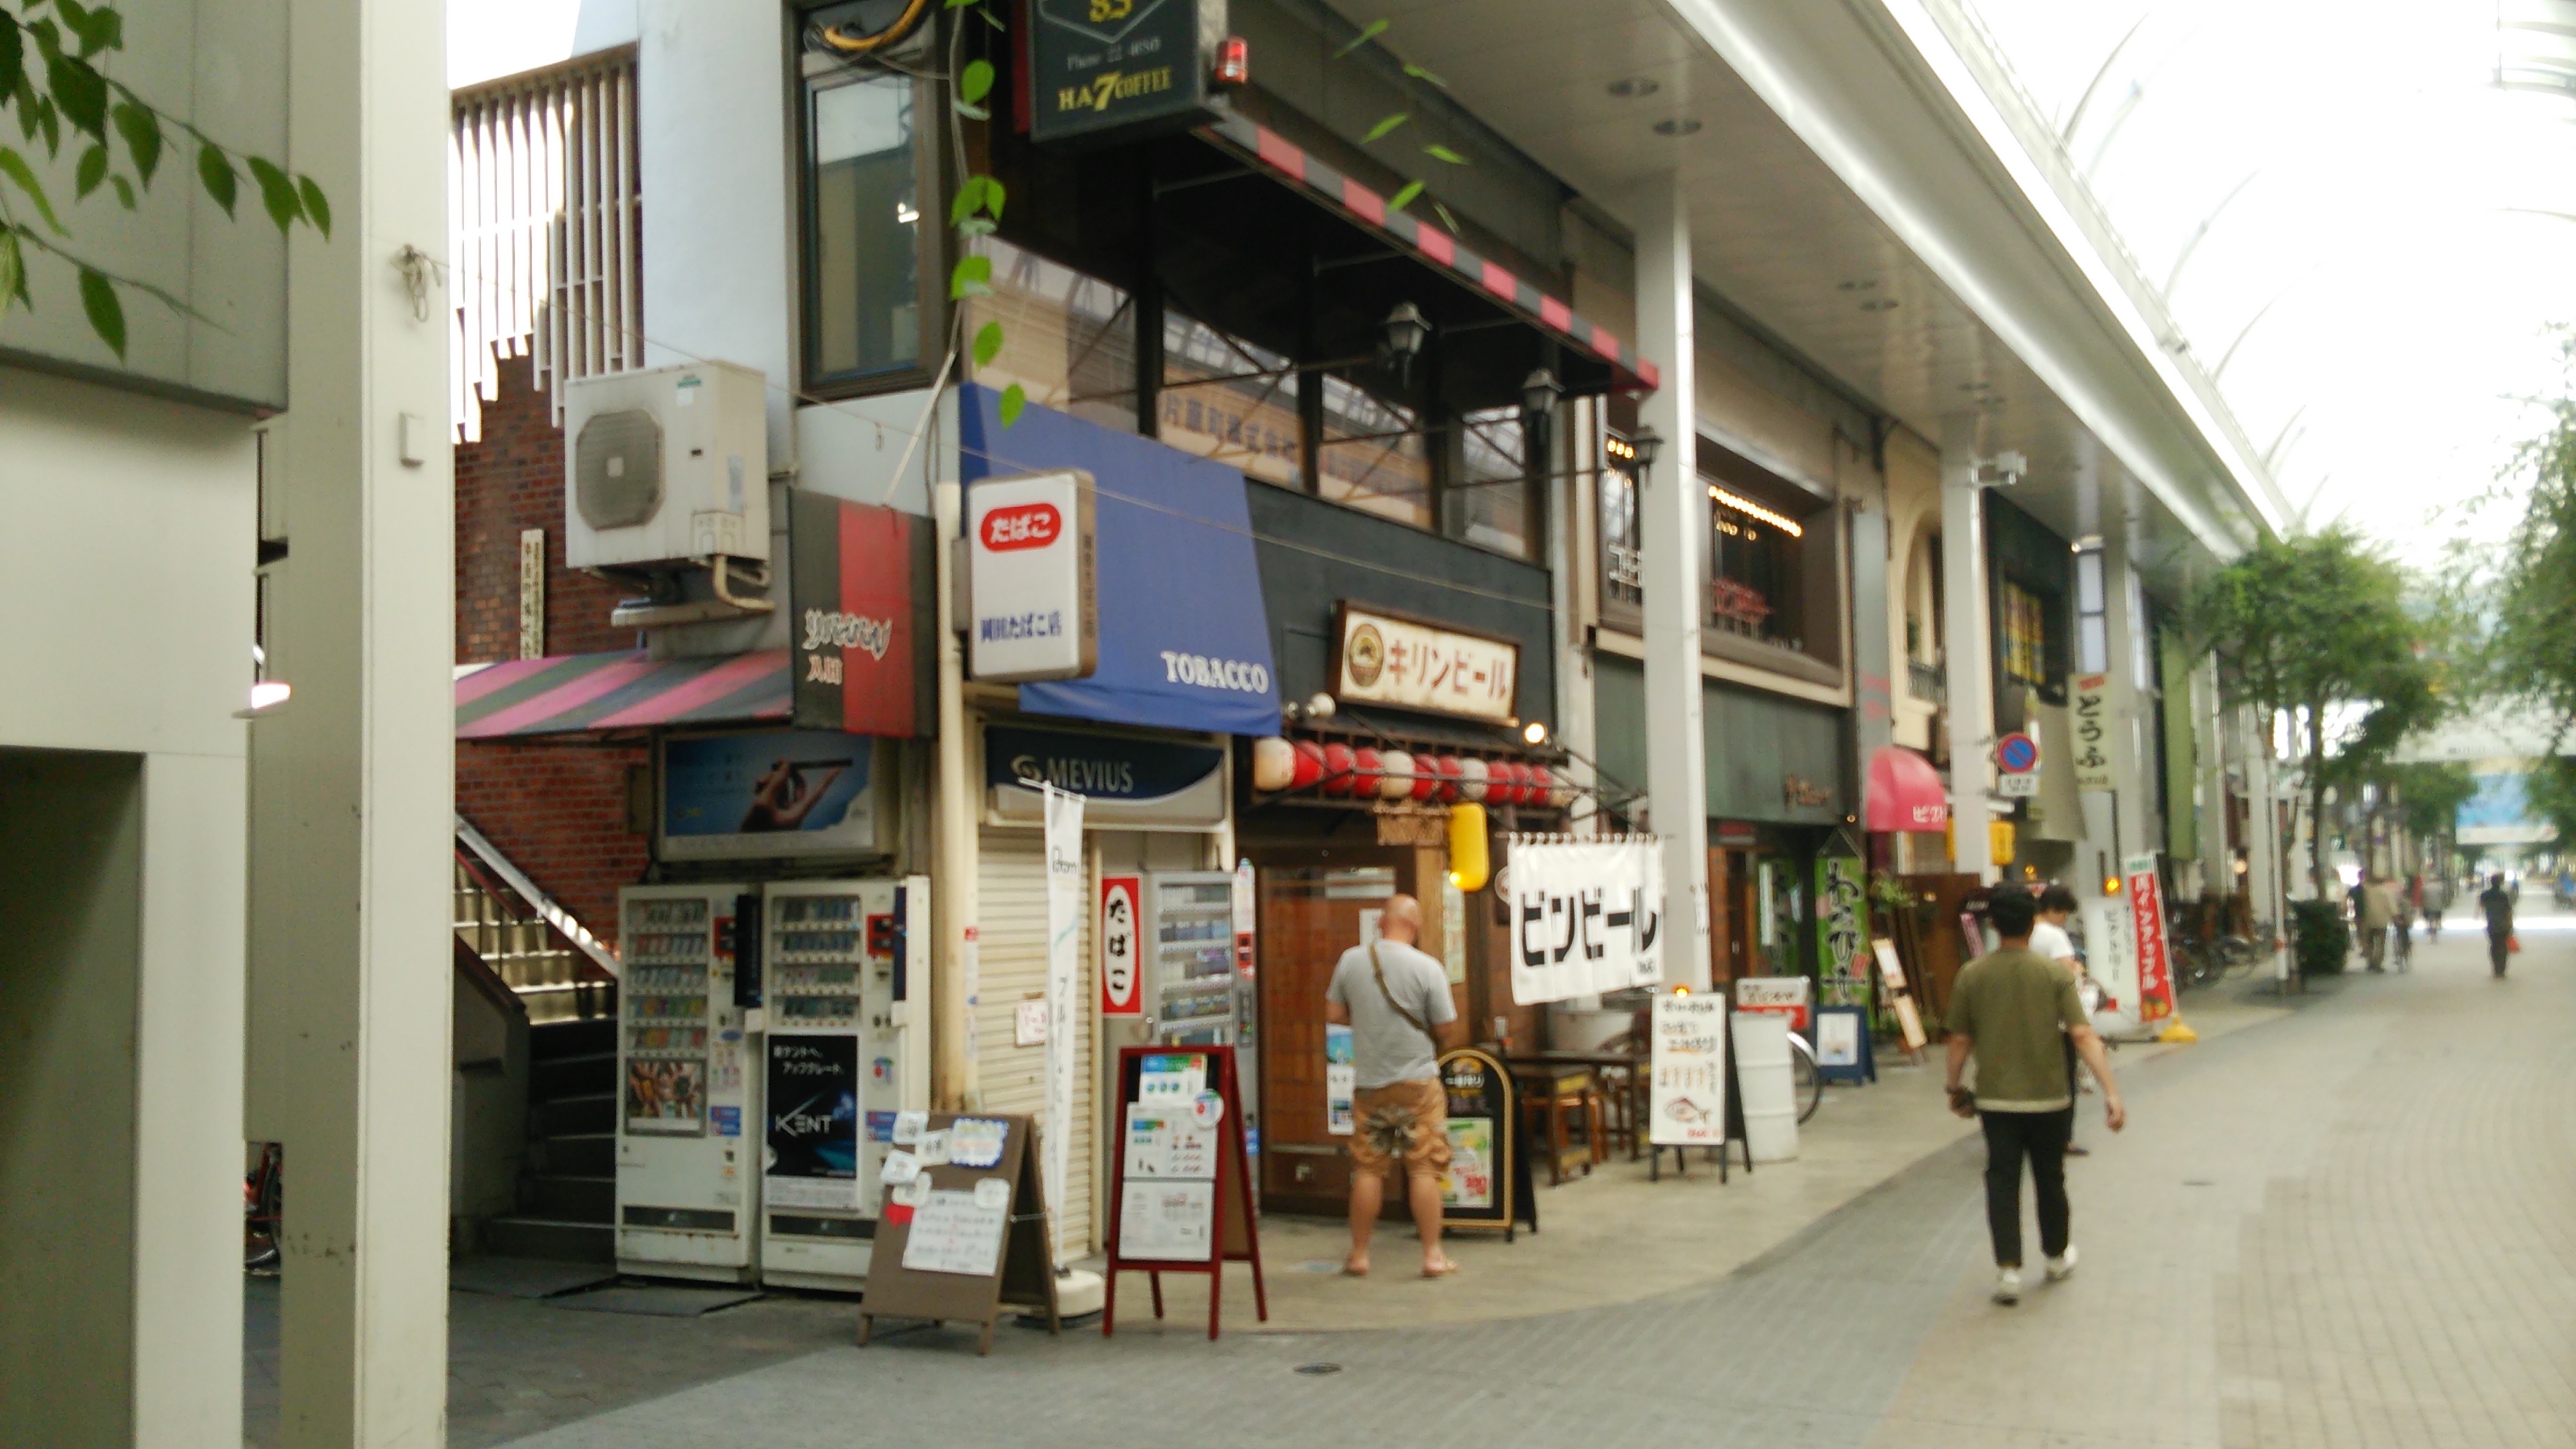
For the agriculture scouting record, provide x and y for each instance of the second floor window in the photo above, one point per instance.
(864, 233)
(1621, 580)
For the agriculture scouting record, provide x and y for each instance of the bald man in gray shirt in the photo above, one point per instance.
(1395, 999)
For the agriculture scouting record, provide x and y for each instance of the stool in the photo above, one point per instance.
(1550, 1098)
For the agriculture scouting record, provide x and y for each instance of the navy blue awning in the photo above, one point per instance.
(1184, 640)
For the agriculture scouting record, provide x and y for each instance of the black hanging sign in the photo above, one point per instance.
(1102, 70)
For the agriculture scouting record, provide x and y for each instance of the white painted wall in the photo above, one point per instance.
(716, 155)
(135, 525)
(488, 39)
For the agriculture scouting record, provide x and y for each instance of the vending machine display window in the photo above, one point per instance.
(668, 946)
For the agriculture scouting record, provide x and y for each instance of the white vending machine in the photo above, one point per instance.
(846, 996)
(687, 1195)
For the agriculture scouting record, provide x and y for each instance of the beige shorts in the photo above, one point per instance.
(1408, 1120)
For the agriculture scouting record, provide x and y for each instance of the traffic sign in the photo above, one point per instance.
(2017, 765)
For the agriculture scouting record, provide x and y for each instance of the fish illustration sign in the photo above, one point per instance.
(1686, 1093)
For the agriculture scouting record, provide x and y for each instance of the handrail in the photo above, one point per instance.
(544, 905)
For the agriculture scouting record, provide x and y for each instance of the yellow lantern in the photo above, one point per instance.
(1470, 859)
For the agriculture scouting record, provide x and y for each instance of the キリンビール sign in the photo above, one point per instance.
(1381, 659)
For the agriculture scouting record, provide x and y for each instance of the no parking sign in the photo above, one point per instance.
(2017, 766)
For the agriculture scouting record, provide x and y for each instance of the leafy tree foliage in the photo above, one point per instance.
(2317, 625)
(54, 63)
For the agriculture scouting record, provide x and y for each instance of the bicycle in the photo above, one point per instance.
(1804, 1079)
(262, 1190)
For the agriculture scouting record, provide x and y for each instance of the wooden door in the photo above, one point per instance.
(1309, 915)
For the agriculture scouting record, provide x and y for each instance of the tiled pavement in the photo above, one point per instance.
(2352, 1225)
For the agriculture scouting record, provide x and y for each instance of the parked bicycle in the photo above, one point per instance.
(1804, 1079)
(261, 1190)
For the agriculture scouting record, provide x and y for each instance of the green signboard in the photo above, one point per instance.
(1104, 70)
(1842, 931)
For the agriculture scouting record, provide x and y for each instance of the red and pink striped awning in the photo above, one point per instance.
(1552, 316)
(581, 693)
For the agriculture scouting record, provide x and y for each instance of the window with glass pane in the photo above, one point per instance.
(1490, 503)
(1068, 338)
(1230, 400)
(1375, 454)
(866, 229)
(1621, 583)
(1756, 583)
(2025, 626)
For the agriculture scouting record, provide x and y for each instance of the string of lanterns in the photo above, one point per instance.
(1366, 772)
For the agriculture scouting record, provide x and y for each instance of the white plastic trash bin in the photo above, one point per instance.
(1770, 1092)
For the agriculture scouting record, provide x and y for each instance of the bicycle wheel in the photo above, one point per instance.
(1804, 1079)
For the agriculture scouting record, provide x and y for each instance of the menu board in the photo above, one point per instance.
(1164, 1143)
(1171, 1222)
(1687, 1089)
(958, 1232)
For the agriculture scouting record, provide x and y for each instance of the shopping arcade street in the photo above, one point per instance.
(1612, 1244)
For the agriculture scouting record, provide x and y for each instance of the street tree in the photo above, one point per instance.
(2317, 626)
(2532, 616)
(56, 78)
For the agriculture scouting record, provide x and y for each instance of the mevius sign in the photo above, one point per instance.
(1032, 578)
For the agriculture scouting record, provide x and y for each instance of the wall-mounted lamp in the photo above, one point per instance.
(1401, 335)
(1540, 394)
(1648, 443)
(1535, 732)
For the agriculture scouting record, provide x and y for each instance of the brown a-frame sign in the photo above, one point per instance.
(978, 1238)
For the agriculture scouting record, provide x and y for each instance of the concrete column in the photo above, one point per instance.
(1964, 637)
(2132, 754)
(1673, 519)
(2209, 720)
(2263, 835)
(1573, 545)
(353, 779)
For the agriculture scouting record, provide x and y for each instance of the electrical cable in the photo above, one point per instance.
(839, 42)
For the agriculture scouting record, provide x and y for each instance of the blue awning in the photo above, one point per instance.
(1184, 640)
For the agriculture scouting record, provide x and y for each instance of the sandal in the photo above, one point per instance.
(1441, 1269)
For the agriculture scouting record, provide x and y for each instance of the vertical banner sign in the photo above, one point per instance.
(2113, 965)
(1122, 977)
(1063, 986)
(1686, 1094)
(1587, 916)
(2089, 710)
(2147, 926)
(1841, 931)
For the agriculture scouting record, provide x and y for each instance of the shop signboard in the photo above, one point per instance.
(2088, 708)
(1032, 578)
(1109, 69)
(812, 1146)
(1125, 781)
(1774, 996)
(1122, 972)
(2147, 939)
(1384, 658)
(861, 619)
(1686, 1089)
(1841, 930)
(764, 794)
(1587, 915)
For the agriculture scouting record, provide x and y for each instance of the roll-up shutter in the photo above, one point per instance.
(1011, 950)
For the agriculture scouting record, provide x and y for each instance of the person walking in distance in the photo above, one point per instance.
(2496, 904)
(1395, 1000)
(2048, 938)
(2373, 910)
(2007, 1009)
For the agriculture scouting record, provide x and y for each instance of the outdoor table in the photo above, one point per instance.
(1628, 1094)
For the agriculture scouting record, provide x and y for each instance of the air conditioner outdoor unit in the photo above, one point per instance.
(666, 468)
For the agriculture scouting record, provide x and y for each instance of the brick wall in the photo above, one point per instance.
(512, 480)
(558, 812)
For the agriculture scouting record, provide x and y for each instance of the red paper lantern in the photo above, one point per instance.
(1452, 770)
(1337, 769)
(1474, 780)
(1310, 765)
(1506, 789)
(1367, 768)
(1541, 786)
(1395, 779)
(1426, 776)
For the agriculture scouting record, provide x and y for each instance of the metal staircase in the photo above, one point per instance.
(566, 979)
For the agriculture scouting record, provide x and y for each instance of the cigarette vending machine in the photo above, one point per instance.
(686, 1196)
(846, 1001)
(1198, 974)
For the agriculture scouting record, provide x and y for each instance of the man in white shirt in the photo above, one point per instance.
(1395, 999)
(2048, 938)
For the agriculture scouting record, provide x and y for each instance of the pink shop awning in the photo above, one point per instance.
(1905, 792)
(577, 693)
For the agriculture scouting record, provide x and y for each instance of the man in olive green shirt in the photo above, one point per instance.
(2007, 1009)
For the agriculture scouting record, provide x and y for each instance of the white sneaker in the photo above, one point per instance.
(2062, 1265)
(2007, 1286)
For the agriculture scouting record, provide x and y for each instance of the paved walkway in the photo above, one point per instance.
(2348, 1223)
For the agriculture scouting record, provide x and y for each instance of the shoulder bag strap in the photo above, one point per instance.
(1410, 1019)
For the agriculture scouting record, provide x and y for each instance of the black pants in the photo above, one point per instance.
(2041, 1137)
(2496, 944)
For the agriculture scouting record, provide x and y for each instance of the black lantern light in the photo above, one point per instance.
(1648, 442)
(1402, 335)
(1540, 394)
